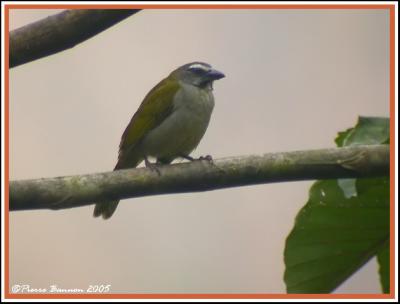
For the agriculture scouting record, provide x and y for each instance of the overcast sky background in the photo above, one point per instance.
(294, 78)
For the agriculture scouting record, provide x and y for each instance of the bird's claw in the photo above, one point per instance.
(207, 158)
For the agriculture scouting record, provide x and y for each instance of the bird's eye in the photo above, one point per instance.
(198, 68)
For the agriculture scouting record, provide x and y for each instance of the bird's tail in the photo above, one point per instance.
(105, 209)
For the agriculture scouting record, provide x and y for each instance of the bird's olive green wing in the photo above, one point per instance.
(156, 106)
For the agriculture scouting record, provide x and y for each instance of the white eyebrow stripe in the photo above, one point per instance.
(199, 66)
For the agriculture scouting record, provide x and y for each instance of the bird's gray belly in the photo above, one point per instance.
(180, 132)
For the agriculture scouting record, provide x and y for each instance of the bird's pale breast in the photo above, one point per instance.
(182, 130)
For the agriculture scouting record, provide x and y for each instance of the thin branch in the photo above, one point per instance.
(60, 32)
(75, 191)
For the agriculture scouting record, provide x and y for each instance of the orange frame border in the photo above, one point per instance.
(391, 295)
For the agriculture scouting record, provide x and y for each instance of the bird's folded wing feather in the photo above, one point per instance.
(156, 106)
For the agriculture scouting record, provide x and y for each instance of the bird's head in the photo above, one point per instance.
(199, 74)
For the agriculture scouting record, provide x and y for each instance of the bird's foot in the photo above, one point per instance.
(207, 158)
(152, 167)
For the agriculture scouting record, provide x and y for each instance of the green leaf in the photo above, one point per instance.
(334, 236)
(344, 223)
(339, 140)
(348, 186)
(368, 131)
(384, 268)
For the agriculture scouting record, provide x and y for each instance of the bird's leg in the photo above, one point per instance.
(151, 166)
(188, 157)
(207, 158)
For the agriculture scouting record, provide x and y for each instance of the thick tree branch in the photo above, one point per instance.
(60, 32)
(75, 191)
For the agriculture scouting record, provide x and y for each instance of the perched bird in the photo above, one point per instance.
(169, 123)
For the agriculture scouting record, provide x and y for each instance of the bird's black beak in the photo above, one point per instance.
(215, 75)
